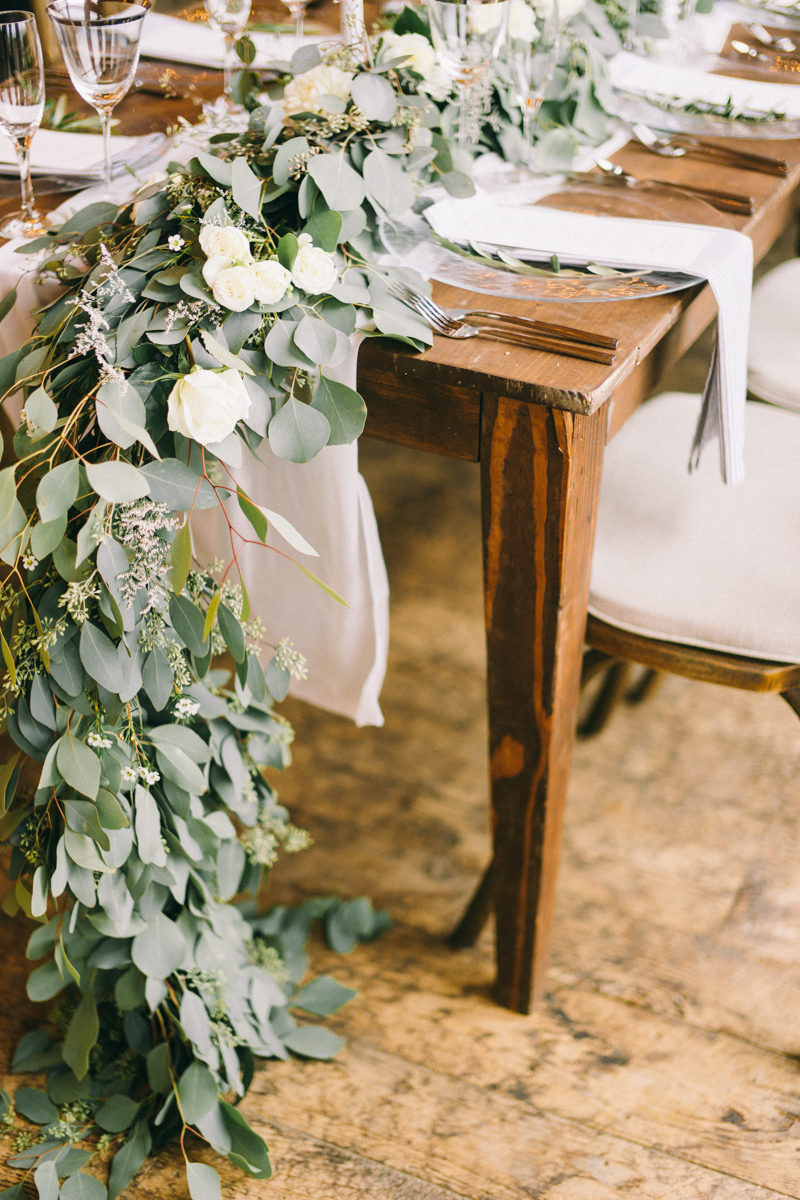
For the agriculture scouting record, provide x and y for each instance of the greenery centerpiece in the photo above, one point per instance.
(192, 323)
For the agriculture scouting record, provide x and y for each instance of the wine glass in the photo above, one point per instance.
(534, 36)
(99, 40)
(467, 37)
(21, 109)
(229, 17)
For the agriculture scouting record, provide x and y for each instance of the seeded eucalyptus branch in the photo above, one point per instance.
(188, 326)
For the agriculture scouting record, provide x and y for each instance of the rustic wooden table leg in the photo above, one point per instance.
(540, 472)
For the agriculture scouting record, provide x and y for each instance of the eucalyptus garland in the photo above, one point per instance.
(192, 323)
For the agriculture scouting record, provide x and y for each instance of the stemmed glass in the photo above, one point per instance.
(99, 40)
(534, 44)
(467, 37)
(21, 109)
(229, 17)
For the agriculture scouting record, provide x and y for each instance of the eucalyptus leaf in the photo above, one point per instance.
(160, 949)
(118, 482)
(346, 412)
(298, 432)
(82, 1034)
(197, 1090)
(342, 187)
(58, 490)
(79, 765)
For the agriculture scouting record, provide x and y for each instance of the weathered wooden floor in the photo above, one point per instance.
(663, 1064)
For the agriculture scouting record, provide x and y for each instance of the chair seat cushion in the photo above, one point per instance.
(772, 369)
(684, 558)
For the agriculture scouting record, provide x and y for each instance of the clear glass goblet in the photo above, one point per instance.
(534, 36)
(229, 18)
(99, 40)
(467, 35)
(21, 109)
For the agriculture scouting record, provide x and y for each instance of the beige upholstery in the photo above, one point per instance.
(686, 559)
(773, 360)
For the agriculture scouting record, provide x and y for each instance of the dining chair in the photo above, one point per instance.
(772, 373)
(691, 577)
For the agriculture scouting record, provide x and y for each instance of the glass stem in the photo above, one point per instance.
(298, 27)
(527, 125)
(23, 148)
(463, 115)
(230, 53)
(105, 121)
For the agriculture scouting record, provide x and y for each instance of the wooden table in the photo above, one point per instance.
(537, 424)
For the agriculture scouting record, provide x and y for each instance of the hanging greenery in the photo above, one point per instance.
(194, 322)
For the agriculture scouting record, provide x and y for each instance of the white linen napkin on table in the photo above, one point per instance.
(326, 500)
(195, 42)
(649, 77)
(722, 256)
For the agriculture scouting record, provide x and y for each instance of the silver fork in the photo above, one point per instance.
(570, 333)
(460, 329)
(678, 146)
(725, 201)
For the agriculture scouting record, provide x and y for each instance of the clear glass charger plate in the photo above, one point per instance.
(412, 242)
(645, 110)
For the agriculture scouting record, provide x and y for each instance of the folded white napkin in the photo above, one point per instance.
(649, 77)
(67, 153)
(722, 256)
(197, 43)
(326, 500)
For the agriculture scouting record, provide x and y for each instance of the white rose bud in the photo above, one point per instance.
(213, 266)
(270, 281)
(234, 288)
(314, 271)
(205, 405)
(218, 240)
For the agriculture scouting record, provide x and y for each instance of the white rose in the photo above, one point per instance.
(314, 271)
(421, 56)
(270, 281)
(522, 22)
(303, 92)
(234, 288)
(485, 18)
(438, 85)
(205, 405)
(213, 266)
(223, 240)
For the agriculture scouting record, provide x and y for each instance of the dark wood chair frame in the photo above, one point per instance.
(613, 650)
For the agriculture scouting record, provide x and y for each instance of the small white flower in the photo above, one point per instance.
(175, 242)
(303, 92)
(225, 240)
(234, 288)
(314, 271)
(522, 22)
(129, 775)
(270, 281)
(151, 776)
(205, 405)
(186, 707)
(30, 562)
(97, 741)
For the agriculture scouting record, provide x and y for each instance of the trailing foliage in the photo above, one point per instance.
(207, 314)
